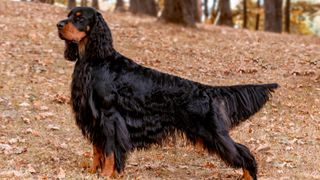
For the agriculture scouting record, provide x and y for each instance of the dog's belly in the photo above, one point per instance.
(149, 129)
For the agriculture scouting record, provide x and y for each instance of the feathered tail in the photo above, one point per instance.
(242, 101)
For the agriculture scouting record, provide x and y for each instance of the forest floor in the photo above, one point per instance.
(38, 135)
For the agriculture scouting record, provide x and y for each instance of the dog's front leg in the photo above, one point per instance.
(108, 166)
(97, 159)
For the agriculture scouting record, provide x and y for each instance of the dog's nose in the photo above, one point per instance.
(60, 25)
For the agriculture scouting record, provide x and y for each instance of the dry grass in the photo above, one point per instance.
(38, 136)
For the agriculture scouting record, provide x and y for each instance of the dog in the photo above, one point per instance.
(121, 106)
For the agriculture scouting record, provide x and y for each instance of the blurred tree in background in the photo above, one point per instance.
(84, 2)
(148, 7)
(287, 16)
(71, 4)
(274, 15)
(224, 16)
(95, 4)
(119, 6)
(180, 11)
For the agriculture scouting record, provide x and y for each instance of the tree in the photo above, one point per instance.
(84, 2)
(224, 16)
(95, 4)
(180, 11)
(287, 16)
(245, 17)
(273, 15)
(206, 10)
(214, 12)
(47, 1)
(148, 7)
(119, 6)
(71, 4)
(198, 11)
(258, 16)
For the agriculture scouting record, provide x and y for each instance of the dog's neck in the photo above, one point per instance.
(87, 51)
(82, 47)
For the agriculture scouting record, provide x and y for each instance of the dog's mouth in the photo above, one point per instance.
(62, 37)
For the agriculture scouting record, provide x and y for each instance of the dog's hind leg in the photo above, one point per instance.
(236, 155)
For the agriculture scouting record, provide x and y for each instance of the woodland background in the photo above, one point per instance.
(38, 135)
(297, 16)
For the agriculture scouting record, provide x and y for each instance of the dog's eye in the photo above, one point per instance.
(79, 19)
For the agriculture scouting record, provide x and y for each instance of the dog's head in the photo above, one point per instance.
(83, 26)
(78, 24)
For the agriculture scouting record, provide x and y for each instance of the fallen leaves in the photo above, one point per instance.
(61, 174)
(53, 127)
(8, 149)
(45, 115)
(263, 147)
(61, 99)
(11, 174)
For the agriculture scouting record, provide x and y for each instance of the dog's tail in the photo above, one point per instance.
(242, 101)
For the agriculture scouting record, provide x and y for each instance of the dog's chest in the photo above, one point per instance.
(80, 86)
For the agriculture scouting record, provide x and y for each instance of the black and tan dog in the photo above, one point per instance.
(120, 105)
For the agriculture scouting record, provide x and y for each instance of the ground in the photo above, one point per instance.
(38, 135)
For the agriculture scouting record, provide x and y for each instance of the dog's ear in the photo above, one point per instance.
(71, 51)
(100, 39)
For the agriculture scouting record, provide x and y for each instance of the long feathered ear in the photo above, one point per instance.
(71, 52)
(100, 40)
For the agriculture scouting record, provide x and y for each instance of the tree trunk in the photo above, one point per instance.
(148, 7)
(95, 4)
(273, 15)
(224, 16)
(214, 5)
(45, 1)
(214, 11)
(245, 17)
(84, 2)
(206, 10)
(179, 11)
(119, 6)
(198, 11)
(258, 15)
(71, 4)
(287, 18)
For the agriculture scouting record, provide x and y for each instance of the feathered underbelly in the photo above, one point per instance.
(149, 129)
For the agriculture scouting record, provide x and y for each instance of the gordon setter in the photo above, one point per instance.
(120, 105)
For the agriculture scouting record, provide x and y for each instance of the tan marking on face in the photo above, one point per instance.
(71, 33)
(78, 14)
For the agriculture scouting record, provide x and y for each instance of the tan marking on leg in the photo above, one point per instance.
(246, 175)
(199, 146)
(97, 156)
(108, 166)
